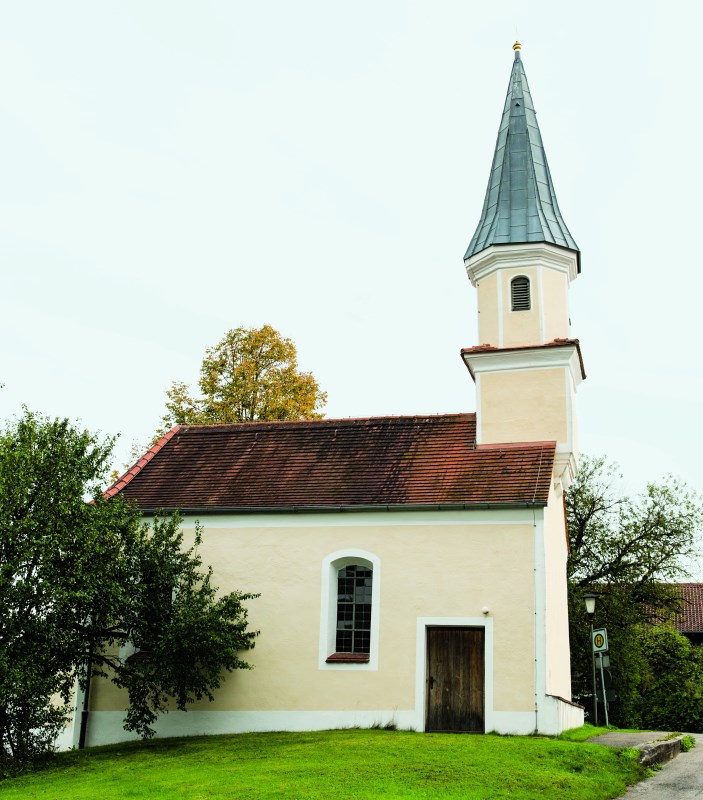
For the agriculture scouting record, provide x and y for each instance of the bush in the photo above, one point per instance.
(671, 688)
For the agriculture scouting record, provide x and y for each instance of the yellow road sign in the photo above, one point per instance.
(600, 640)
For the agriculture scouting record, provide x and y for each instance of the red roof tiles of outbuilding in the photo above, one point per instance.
(336, 463)
(690, 620)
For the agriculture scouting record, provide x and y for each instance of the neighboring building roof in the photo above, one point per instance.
(521, 204)
(690, 620)
(336, 464)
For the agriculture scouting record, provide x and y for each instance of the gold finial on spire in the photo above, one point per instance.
(517, 46)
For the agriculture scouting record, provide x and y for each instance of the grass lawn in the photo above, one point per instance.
(334, 764)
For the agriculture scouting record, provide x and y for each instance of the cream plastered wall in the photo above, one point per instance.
(488, 311)
(573, 417)
(558, 678)
(523, 406)
(426, 570)
(547, 319)
(555, 305)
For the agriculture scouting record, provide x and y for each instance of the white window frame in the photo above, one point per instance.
(328, 607)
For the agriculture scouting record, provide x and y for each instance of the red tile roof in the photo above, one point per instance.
(336, 463)
(690, 620)
(139, 465)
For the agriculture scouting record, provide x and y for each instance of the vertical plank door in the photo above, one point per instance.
(455, 679)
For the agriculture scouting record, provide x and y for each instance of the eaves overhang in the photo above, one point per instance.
(343, 509)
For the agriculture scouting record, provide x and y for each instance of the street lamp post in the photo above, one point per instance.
(590, 600)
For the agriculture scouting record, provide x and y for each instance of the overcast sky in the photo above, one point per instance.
(171, 170)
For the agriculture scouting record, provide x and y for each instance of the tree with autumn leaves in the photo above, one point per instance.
(250, 375)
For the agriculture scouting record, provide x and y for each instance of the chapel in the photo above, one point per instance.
(411, 570)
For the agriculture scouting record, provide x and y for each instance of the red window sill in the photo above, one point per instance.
(348, 658)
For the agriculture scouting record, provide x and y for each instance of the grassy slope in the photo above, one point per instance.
(334, 764)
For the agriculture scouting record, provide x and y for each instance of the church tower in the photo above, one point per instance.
(522, 260)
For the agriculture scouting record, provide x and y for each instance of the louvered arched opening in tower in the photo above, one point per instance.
(520, 293)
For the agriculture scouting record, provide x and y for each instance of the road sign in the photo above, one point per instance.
(600, 640)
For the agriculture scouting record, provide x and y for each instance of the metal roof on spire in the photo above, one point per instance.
(521, 205)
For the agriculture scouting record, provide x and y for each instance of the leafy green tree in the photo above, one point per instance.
(671, 686)
(251, 374)
(628, 551)
(79, 580)
(630, 541)
(186, 635)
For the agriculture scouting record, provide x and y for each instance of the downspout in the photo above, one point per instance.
(86, 704)
(535, 578)
(535, 588)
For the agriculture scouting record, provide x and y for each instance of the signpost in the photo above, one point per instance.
(599, 640)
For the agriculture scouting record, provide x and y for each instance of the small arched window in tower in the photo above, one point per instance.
(520, 293)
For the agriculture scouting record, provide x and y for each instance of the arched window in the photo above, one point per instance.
(354, 590)
(520, 293)
(350, 602)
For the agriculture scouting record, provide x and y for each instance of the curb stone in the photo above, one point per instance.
(654, 747)
(659, 752)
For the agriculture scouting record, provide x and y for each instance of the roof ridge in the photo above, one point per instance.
(389, 418)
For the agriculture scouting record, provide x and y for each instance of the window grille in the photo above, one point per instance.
(354, 585)
(520, 293)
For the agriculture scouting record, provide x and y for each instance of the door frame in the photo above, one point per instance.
(423, 623)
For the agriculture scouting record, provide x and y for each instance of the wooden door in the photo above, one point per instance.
(455, 679)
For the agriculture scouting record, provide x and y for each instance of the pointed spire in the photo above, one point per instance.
(521, 205)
